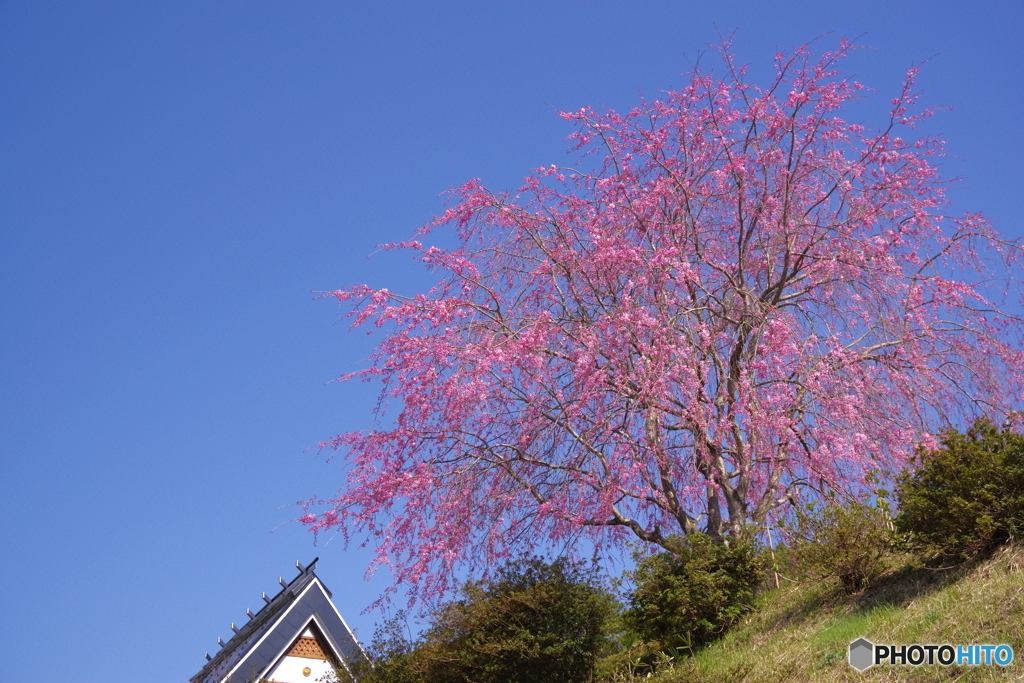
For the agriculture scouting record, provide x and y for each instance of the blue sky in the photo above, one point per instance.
(178, 180)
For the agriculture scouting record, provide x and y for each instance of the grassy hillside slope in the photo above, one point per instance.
(802, 632)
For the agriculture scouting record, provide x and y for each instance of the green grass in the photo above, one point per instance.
(803, 632)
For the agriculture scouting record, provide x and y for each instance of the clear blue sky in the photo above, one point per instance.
(176, 178)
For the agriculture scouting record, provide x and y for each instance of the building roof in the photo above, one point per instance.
(269, 634)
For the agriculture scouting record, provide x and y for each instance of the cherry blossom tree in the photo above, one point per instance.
(734, 298)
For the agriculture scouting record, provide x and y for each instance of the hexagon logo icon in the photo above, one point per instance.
(861, 654)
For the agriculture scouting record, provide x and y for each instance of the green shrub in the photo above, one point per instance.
(967, 497)
(691, 596)
(534, 622)
(851, 543)
(392, 653)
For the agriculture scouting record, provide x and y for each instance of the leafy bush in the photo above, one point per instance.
(967, 497)
(536, 621)
(851, 543)
(691, 596)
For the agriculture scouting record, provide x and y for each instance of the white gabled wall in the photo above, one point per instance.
(290, 671)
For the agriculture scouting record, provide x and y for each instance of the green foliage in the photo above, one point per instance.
(967, 497)
(851, 543)
(691, 596)
(535, 621)
(392, 653)
(624, 658)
